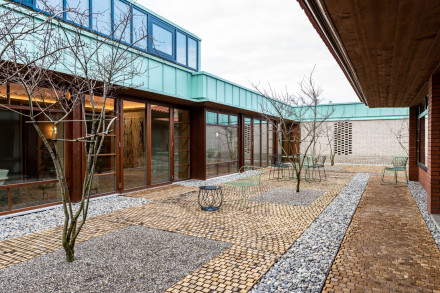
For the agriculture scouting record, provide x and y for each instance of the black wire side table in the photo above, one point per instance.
(210, 197)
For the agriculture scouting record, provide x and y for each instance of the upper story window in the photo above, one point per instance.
(122, 21)
(129, 24)
(81, 16)
(140, 29)
(192, 53)
(102, 16)
(181, 48)
(163, 37)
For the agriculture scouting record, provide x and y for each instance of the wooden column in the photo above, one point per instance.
(198, 143)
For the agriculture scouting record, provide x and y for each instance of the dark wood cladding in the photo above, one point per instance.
(387, 49)
(198, 143)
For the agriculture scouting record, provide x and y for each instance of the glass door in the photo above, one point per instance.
(160, 144)
(135, 158)
(181, 144)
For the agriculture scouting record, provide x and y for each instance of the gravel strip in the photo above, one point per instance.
(133, 259)
(213, 181)
(289, 196)
(305, 265)
(42, 220)
(421, 197)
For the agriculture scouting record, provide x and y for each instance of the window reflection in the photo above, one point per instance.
(135, 159)
(181, 144)
(221, 144)
(163, 39)
(160, 144)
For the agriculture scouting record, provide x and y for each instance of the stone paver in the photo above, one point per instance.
(259, 235)
(387, 248)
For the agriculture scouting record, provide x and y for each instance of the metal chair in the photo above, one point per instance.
(399, 164)
(318, 163)
(277, 166)
(250, 176)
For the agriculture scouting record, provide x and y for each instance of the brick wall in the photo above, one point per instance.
(372, 141)
(434, 144)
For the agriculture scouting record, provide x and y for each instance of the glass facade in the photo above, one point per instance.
(221, 144)
(128, 23)
(104, 180)
(27, 174)
(162, 39)
(135, 157)
(160, 144)
(181, 144)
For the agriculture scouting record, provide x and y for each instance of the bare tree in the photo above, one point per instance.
(401, 134)
(58, 66)
(298, 119)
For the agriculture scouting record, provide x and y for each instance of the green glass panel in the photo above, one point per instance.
(211, 118)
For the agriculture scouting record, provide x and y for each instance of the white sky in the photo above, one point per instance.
(258, 41)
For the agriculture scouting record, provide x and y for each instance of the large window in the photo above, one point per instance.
(192, 53)
(102, 16)
(130, 24)
(122, 21)
(422, 134)
(135, 157)
(221, 144)
(181, 48)
(140, 29)
(27, 174)
(163, 36)
(181, 144)
(104, 180)
(160, 144)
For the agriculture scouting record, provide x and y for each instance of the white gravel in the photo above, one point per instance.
(41, 220)
(421, 198)
(213, 181)
(305, 265)
(133, 259)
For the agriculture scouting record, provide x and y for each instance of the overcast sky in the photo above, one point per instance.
(258, 41)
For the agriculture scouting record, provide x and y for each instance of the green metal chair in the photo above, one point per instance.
(307, 166)
(250, 177)
(399, 164)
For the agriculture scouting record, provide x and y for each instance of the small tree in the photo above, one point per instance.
(60, 67)
(401, 134)
(298, 119)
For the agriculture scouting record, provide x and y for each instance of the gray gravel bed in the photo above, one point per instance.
(289, 196)
(41, 220)
(133, 259)
(305, 265)
(421, 198)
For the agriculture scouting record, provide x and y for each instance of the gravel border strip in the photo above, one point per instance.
(18, 225)
(421, 198)
(305, 265)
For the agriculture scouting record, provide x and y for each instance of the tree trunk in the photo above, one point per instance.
(298, 180)
(70, 253)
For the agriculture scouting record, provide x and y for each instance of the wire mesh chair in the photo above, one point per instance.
(279, 167)
(249, 177)
(399, 164)
(318, 163)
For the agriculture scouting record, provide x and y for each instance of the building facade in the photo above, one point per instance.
(176, 123)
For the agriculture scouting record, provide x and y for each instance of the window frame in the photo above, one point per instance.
(422, 112)
(155, 21)
(151, 18)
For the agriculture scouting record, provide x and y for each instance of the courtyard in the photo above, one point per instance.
(349, 232)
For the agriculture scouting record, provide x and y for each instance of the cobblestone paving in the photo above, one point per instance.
(387, 248)
(259, 235)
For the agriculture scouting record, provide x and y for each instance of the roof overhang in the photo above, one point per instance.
(387, 49)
